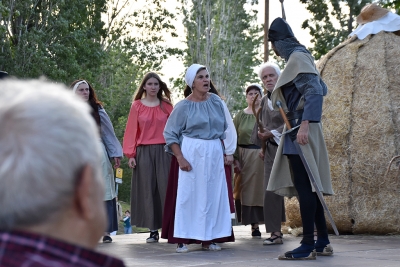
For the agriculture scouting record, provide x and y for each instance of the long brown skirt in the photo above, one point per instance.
(228, 175)
(249, 214)
(149, 186)
(249, 204)
(170, 204)
(274, 205)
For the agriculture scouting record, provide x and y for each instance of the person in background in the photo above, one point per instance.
(249, 168)
(229, 144)
(127, 223)
(197, 206)
(272, 122)
(300, 90)
(119, 210)
(51, 189)
(111, 150)
(144, 146)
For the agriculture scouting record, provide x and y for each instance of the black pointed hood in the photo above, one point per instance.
(279, 30)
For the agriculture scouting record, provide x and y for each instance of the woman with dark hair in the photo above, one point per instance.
(249, 169)
(111, 149)
(144, 146)
(197, 206)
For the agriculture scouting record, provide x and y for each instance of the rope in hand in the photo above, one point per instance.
(283, 10)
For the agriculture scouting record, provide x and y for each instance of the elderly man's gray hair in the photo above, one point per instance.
(47, 136)
(268, 64)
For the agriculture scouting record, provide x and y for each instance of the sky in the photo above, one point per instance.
(295, 12)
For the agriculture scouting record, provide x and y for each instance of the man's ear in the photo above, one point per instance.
(85, 193)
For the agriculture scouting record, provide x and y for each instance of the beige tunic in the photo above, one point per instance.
(252, 178)
(281, 180)
(271, 120)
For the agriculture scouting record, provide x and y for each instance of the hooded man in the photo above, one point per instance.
(301, 91)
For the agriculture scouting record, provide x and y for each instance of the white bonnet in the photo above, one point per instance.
(77, 84)
(191, 73)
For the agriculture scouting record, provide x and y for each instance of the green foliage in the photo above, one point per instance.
(325, 33)
(110, 43)
(224, 37)
(135, 45)
(392, 4)
(55, 38)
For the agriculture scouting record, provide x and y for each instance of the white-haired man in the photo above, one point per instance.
(51, 192)
(274, 208)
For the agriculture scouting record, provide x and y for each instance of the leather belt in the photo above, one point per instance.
(250, 146)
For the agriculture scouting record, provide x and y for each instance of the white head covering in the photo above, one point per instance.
(77, 84)
(191, 73)
(388, 23)
(374, 19)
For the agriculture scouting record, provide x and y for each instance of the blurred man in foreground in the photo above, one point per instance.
(51, 193)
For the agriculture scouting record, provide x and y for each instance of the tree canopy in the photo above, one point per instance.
(58, 39)
(326, 34)
(110, 43)
(225, 37)
(393, 4)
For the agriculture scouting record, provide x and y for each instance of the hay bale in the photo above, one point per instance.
(286, 230)
(297, 231)
(293, 218)
(361, 122)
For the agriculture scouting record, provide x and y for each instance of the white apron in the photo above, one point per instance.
(202, 205)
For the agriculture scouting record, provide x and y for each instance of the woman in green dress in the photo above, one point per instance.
(249, 168)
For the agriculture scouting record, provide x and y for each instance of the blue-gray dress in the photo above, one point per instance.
(202, 207)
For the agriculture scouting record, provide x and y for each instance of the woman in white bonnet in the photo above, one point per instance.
(197, 204)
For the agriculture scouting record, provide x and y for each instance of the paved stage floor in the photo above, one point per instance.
(349, 250)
